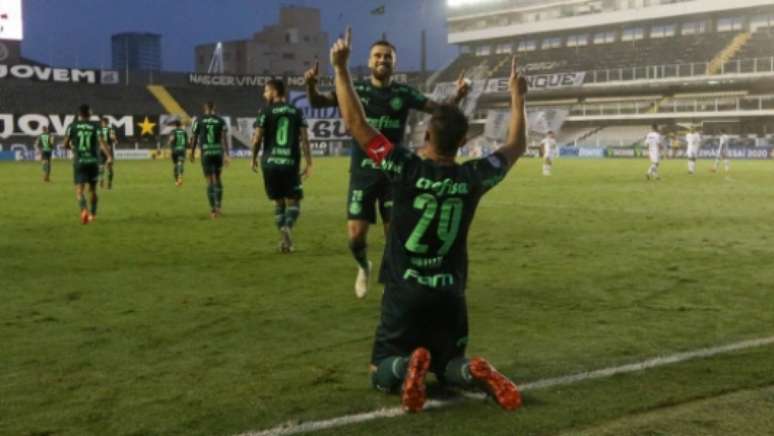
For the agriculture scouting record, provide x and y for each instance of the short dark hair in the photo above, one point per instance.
(104, 120)
(210, 105)
(383, 43)
(448, 127)
(654, 126)
(278, 85)
(84, 110)
(177, 123)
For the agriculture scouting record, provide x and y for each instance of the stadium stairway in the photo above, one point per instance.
(169, 103)
(728, 53)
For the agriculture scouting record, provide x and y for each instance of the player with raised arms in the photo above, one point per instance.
(209, 130)
(82, 136)
(387, 106)
(424, 325)
(281, 132)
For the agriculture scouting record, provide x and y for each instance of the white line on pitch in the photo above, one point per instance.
(311, 426)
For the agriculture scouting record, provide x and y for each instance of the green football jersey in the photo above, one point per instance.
(387, 110)
(44, 140)
(84, 140)
(209, 129)
(281, 124)
(180, 140)
(433, 207)
(107, 134)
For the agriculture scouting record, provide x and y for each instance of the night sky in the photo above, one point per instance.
(76, 33)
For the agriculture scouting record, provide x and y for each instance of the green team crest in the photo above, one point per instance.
(396, 103)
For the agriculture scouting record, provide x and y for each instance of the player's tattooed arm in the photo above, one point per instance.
(193, 142)
(307, 150)
(316, 98)
(516, 144)
(257, 141)
(105, 149)
(463, 88)
(224, 140)
(351, 109)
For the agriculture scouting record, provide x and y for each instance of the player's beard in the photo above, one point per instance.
(382, 73)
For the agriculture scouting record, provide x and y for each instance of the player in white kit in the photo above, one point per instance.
(653, 141)
(548, 146)
(693, 139)
(722, 153)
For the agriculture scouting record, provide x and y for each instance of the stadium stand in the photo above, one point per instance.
(58, 98)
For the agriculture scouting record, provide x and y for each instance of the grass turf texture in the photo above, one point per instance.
(155, 320)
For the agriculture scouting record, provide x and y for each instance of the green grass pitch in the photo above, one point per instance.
(156, 320)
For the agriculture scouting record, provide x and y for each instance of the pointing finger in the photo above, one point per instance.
(349, 36)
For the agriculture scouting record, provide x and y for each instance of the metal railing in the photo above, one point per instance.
(675, 105)
(669, 71)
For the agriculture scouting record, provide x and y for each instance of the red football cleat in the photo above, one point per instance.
(414, 393)
(84, 217)
(497, 385)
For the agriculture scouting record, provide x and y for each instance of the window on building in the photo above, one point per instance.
(550, 43)
(483, 50)
(504, 48)
(577, 40)
(604, 37)
(633, 34)
(730, 24)
(527, 46)
(694, 28)
(465, 49)
(663, 31)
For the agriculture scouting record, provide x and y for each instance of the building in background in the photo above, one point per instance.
(136, 51)
(289, 47)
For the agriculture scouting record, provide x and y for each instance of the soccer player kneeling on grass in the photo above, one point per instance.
(84, 138)
(423, 324)
(281, 131)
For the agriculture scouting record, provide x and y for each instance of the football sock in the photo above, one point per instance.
(291, 215)
(82, 202)
(279, 216)
(218, 194)
(46, 168)
(359, 252)
(390, 373)
(177, 170)
(691, 166)
(181, 169)
(727, 164)
(457, 373)
(110, 176)
(211, 195)
(94, 202)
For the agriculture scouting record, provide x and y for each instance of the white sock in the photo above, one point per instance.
(727, 164)
(691, 166)
(546, 170)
